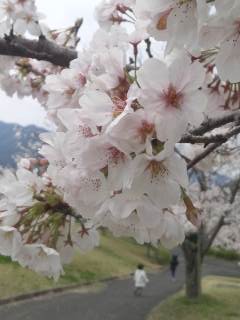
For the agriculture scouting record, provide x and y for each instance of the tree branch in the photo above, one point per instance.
(204, 140)
(235, 190)
(41, 49)
(203, 155)
(212, 147)
(148, 49)
(213, 235)
(211, 124)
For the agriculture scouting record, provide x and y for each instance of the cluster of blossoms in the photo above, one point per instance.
(20, 16)
(119, 113)
(25, 76)
(38, 229)
(113, 154)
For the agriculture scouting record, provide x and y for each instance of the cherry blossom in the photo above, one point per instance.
(10, 241)
(175, 21)
(64, 89)
(172, 91)
(22, 15)
(19, 189)
(227, 60)
(112, 11)
(41, 259)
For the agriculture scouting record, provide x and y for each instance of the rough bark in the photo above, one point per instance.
(41, 49)
(193, 266)
(210, 124)
(212, 147)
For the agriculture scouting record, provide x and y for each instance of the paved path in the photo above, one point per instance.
(114, 302)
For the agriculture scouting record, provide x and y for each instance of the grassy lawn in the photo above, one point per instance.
(115, 257)
(224, 254)
(220, 302)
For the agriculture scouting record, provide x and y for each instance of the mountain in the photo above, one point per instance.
(17, 141)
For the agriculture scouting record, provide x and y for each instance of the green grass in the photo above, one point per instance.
(219, 302)
(115, 257)
(224, 254)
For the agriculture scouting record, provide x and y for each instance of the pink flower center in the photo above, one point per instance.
(85, 131)
(70, 91)
(8, 7)
(119, 106)
(172, 98)
(145, 130)
(82, 79)
(122, 8)
(28, 18)
(157, 168)
(119, 96)
(115, 155)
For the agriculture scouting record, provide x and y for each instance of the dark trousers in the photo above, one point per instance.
(173, 271)
(138, 291)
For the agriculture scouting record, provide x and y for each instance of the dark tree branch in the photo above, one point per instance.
(41, 49)
(234, 190)
(211, 124)
(203, 155)
(148, 49)
(204, 140)
(181, 155)
(213, 235)
(201, 178)
(212, 147)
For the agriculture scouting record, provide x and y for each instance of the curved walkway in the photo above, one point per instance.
(114, 302)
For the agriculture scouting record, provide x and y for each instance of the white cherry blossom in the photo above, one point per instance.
(131, 130)
(227, 60)
(19, 189)
(172, 94)
(10, 241)
(41, 259)
(160, 177)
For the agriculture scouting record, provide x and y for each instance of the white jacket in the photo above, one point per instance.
(140, 278)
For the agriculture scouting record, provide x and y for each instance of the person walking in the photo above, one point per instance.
(173, 266)
(140, 280)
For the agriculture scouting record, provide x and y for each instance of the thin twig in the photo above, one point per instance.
(203, 155)
(148, 49)
(211, 124)
(204, 140)
(212, 147)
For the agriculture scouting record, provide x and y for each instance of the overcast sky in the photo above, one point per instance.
(61, 13)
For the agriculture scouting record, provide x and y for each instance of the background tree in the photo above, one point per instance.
(215, 190)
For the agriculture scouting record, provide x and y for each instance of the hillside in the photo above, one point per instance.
(17, 141)
(114, 257)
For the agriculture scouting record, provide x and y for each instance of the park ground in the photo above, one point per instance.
(220, 301)
(114, 258)
(114, 300)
